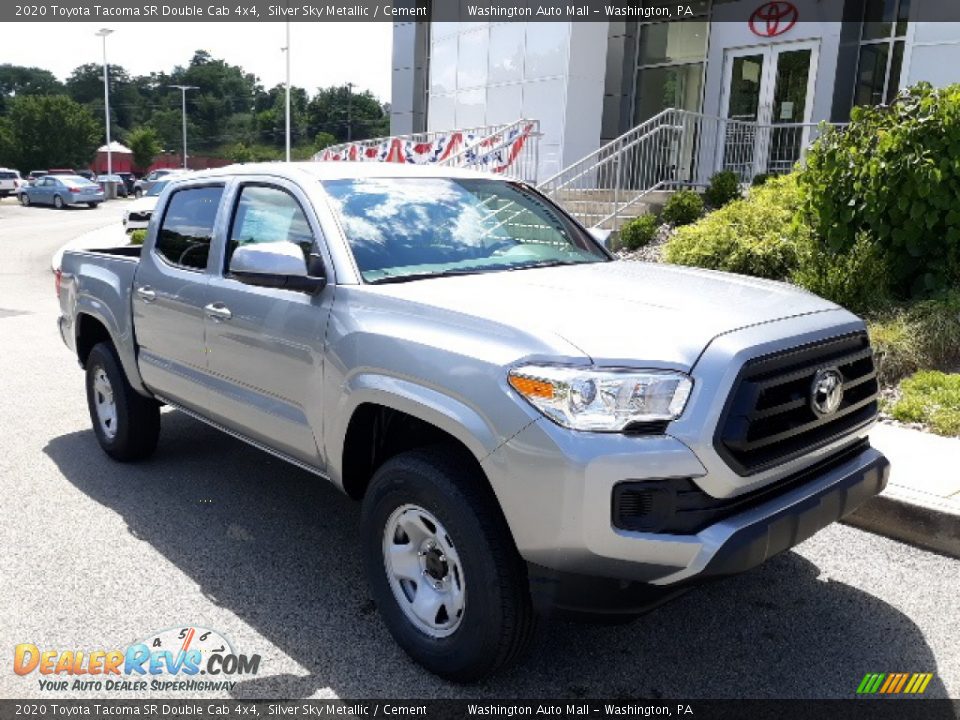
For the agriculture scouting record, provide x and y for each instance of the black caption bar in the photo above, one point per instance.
(891, 709)
(438, 10)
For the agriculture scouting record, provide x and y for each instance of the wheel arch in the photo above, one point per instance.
(92, 327)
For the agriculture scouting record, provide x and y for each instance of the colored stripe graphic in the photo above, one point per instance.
(894, 683)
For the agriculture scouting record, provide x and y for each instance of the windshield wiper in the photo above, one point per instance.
(424, 275)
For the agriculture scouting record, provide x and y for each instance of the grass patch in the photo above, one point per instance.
(931, 398)
(922, 336)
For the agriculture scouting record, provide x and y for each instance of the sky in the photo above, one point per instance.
(323, 53)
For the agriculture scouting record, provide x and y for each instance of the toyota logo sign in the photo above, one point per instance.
(773, 18)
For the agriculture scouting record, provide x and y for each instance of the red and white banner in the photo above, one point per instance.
(495, 153)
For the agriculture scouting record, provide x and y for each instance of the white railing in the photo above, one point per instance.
(507, 148)
(511, 150)
(673, 149)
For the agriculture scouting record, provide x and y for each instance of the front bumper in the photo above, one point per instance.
(559, 509)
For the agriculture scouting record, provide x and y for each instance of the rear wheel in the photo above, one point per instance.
(58, 202)
(126, 423)
(442, 567)
(94, 205)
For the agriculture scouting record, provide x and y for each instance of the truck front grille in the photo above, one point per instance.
(770, 418)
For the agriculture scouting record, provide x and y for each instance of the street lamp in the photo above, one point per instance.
(183, 94)
(349, 111)
(287, 51)
(102, 33)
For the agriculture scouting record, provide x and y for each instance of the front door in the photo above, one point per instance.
(768, 98)
(264, 344)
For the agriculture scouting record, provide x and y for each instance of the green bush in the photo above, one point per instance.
(893, 174)
(758, 235)
(921, 336)
(682, 208)
(759, 179)
(638, 232)
(724, 188)
(138, 236)
(931, 398)
(858, 279)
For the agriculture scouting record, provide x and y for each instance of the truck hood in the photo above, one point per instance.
(617, 313)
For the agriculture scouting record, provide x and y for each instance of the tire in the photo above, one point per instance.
(476, 555)
(133, 431)
(58, 202)
(138, 193)
(24, 199)
(93, 206)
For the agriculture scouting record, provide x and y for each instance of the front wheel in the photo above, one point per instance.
(138, 193)
(126, 423)
(442, 567)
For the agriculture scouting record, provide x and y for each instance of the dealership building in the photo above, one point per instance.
(792, 63)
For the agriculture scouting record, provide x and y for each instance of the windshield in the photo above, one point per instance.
(410, 228)
(73, 180)
(157, 188)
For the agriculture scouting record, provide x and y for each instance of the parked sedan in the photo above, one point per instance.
(61, 191)
(141, 186)
(137, 214)
(10, 182)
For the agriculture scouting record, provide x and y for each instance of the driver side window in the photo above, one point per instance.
(187, 227)
(267, 214)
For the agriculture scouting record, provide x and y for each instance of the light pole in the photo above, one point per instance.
(102, 33)
(183, 95)
(349, 112)
(287, 51)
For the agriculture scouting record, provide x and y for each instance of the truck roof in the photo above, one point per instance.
(344, 170)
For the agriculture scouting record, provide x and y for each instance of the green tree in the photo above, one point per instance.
(334, 109)
(145, 145)
(85, 85)
(20, 80)
(51, 131)
(323, 140)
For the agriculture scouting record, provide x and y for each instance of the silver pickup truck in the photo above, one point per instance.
(529, 424)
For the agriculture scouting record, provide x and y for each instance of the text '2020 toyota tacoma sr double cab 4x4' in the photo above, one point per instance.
(529, 423)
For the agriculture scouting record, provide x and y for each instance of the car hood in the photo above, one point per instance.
(143, 205)
(618, 312)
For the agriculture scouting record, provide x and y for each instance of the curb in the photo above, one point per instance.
(903, 516)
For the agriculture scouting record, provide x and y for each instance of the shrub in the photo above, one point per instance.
(757, 235)
(724, 188)
(759, 179)
(138, 236)
(921, 336)
(931, 398)
(858, 279)
(892, 174)
(682, 208)
(638, 232)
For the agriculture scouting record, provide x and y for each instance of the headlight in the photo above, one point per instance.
(605, 401)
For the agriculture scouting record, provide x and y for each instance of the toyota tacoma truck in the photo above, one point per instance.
(529, 423)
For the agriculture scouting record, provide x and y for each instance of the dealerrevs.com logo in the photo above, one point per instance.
(189, 659)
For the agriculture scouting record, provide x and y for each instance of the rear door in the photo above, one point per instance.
(169, 294)
(264, 345)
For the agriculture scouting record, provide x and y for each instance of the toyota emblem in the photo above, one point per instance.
(826, 391)
(773, 18)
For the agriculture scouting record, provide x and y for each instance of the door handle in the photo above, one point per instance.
(147, 293)
(218, 311)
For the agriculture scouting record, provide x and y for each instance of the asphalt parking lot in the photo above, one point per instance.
(212, 533)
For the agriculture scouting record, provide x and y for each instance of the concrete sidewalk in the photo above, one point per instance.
(921, 504)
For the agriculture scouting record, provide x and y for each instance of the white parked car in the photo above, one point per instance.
(137, 215)
(10, 182)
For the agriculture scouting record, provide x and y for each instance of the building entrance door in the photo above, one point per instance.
(767, 101)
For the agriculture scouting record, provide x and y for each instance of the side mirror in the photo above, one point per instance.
(601, 236)
(274, 264)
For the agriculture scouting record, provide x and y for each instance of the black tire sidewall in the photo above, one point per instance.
(471, 651)
(133, 411)
(62, 205)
